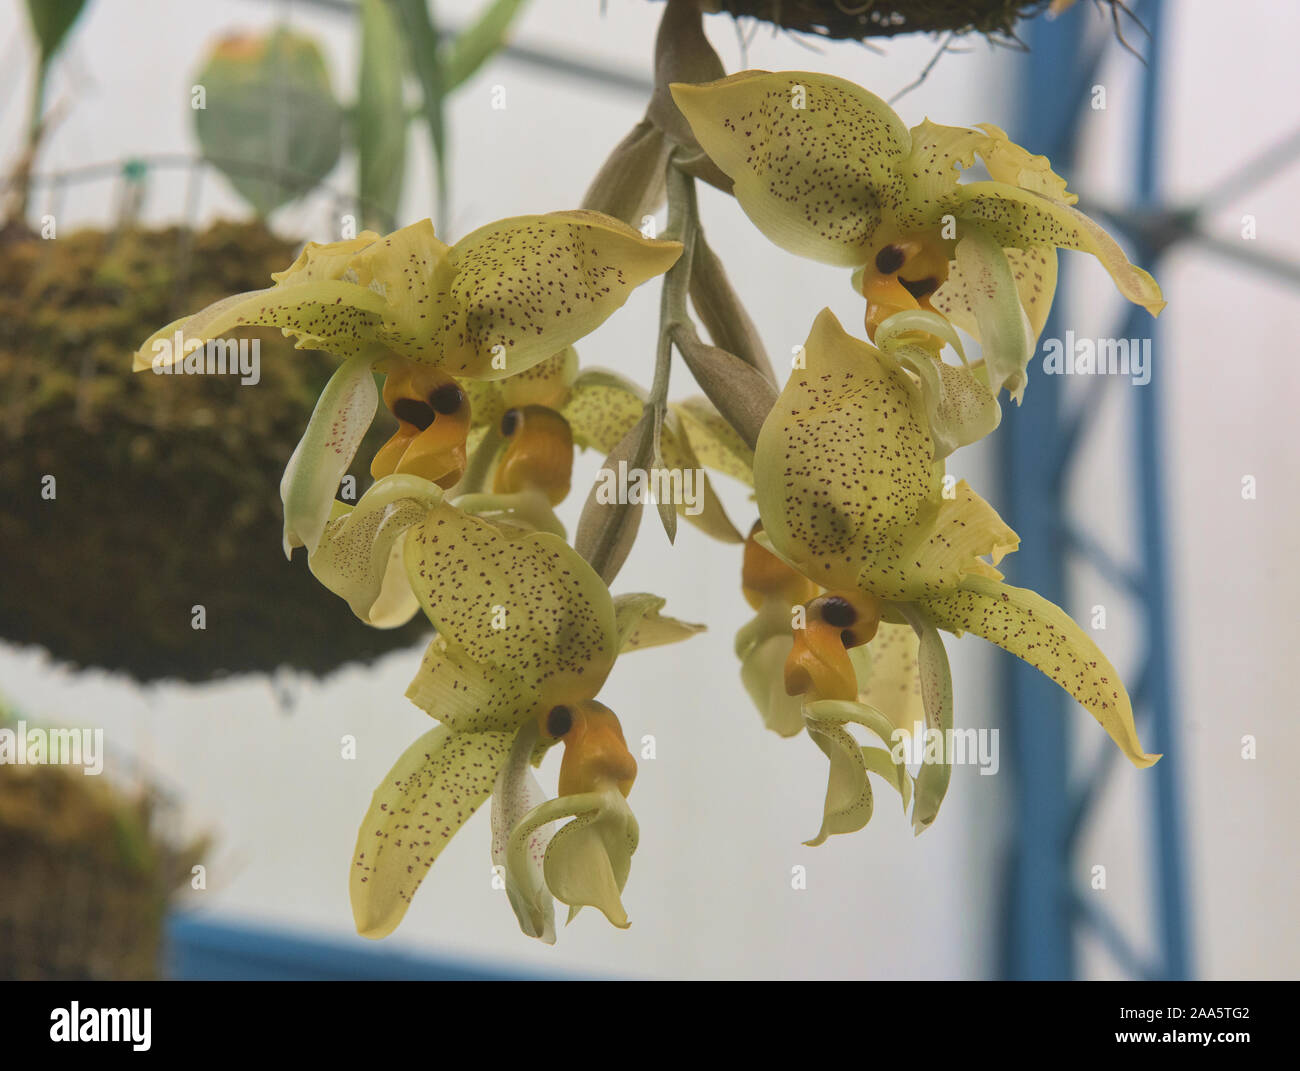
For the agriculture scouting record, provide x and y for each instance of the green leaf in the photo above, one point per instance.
(477, 43)
(424, 55)
(51, 21)
(380, 128)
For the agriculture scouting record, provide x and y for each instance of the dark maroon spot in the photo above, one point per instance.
(447, 399)
(413, 411)
(559, 720)
(922, 287)
(838, 612)
(889, 260)
(510, 422)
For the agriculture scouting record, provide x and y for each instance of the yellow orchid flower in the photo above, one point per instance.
(829, 171)
(527, 633)
(529, 424)
(789, 644)
(852, 498)
(497, 302)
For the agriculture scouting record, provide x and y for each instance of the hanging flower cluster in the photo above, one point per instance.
(864, 551)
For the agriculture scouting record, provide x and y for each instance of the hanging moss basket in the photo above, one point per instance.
(166, 488)
(87, 878)
(863, 19)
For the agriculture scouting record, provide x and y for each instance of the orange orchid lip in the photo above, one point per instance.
(538, 453)
(433, 416)
(595, 752)
(819, 663)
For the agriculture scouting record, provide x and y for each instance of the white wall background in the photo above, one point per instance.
(724, 807)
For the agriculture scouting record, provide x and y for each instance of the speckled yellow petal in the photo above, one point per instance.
(434, 788)
(601, 408)
(336, 316)
(932, 170)
(323, 455)
(641, 625)
(359, 557)
(401, 266)
(1008, 162)
(893, 685)
(546, 383)
(1042, 634)
(931, 784)
(324, 260)
(705, 509)
(1023, 219)
(469, 696)
(936, 556)
(530, 605)
(844, 461)
(960, 407)
(515, 292)
(714, 441)
(1002, 326)
(515, 794)
(849, 801)
(815, 159)
(1035, 273)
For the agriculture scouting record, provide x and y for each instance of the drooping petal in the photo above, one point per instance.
(529, 606)
(433, 789)
(1002, 326)
(888, 762)
(1024, 220)
(1042, 634)
(588, 860)
(960, 407)
(844, 460)
(815, 159)
(849, 802)
(1035, 273)
(641, 625)
(323, 455)
(359, 557)
(936, 695)
(516, 794)
(515, 292)
(879, 762)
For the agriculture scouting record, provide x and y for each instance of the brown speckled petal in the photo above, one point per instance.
(433, 789)
(528, 606)
(817, 179)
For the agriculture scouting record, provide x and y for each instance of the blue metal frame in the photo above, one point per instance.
(1044, 907)
(202, 949)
